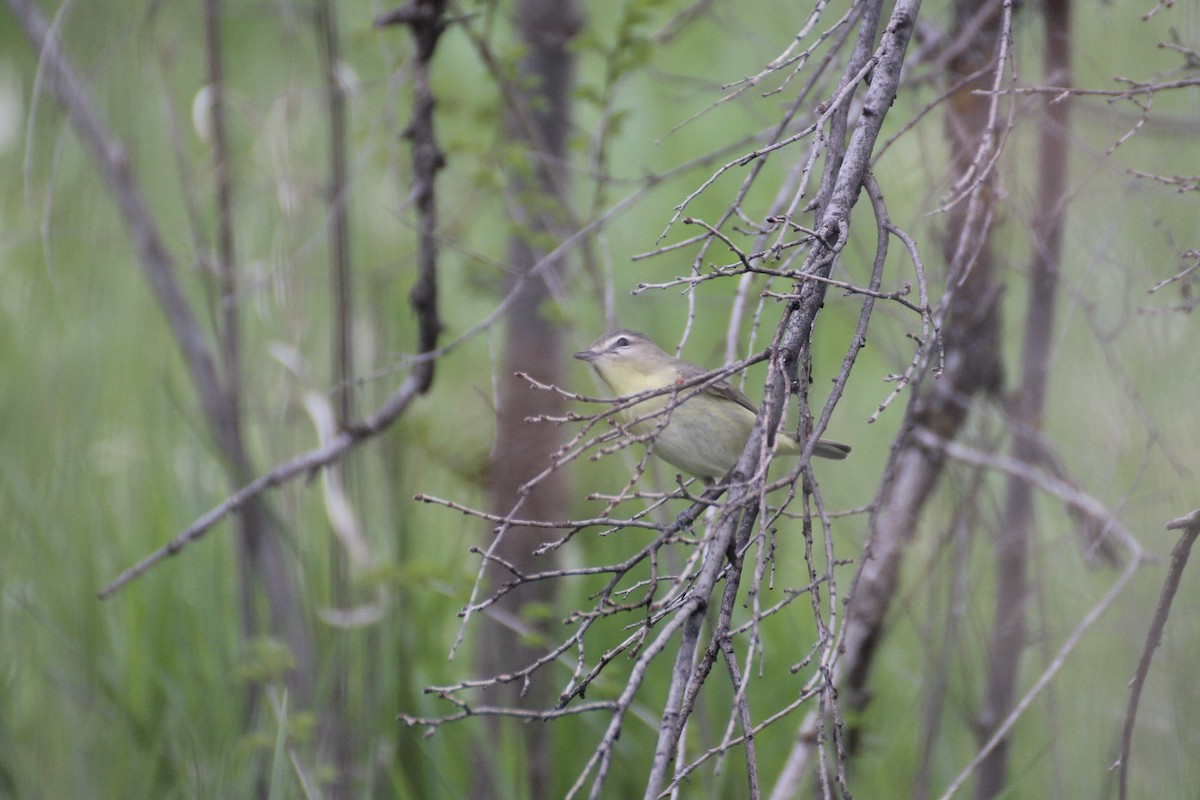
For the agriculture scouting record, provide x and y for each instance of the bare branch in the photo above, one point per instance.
(304, 464)
(1190, 525)
(1060, 658)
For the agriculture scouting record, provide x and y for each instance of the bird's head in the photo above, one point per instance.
(629, 362)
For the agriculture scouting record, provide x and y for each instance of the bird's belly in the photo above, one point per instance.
(695, 441)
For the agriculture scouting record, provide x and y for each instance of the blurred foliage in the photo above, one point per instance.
(102, 457)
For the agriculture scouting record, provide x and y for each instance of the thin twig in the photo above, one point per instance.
(1190, 525)
(304, 464)
(1085, 623)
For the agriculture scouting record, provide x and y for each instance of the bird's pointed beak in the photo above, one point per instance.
(586, 355)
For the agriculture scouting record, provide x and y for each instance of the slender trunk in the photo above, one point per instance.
(533, 344)
(262, 564)
(338, 733)
(1017, 526)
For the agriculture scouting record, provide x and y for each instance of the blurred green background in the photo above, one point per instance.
(103, 459)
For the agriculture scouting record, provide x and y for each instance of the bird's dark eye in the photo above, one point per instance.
(622, 342)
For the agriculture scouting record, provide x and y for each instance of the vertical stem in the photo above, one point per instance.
(227, 312)
(226, 270)
(228, 333)
(425, 20)
(260, 557)
(426, 24)
(341, 285)
(1017, 526)
(339, 732)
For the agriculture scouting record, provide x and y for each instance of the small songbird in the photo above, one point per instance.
(707, 432)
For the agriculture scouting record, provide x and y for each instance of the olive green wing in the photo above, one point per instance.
(722, 388)
(727, 391)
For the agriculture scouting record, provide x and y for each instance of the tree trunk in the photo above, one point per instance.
(533, 344)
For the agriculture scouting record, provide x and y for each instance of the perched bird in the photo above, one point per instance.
(707, 432)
